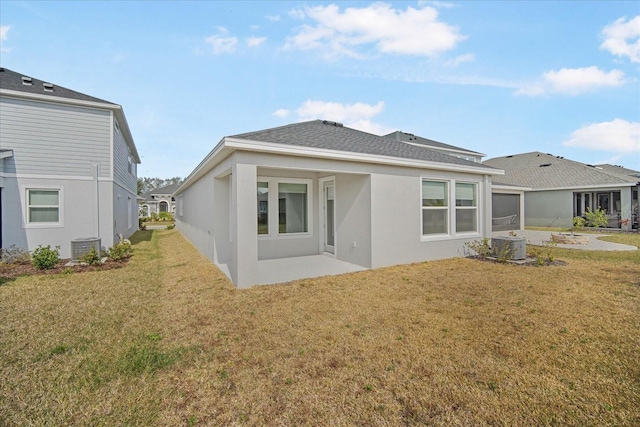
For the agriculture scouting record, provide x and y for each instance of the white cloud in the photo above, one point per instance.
(573, 81)
(469, 57)
(617, 136)
(623, 38)
(255, 41)
(297, 14)
(388, 30)
(274, 18)
(4, 34)
(282, 113)
(220, 44)
(436, 3)
(357, 115)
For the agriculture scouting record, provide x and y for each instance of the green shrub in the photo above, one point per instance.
(579, 222)
(120, 251)
(92, 257)
(154, 216)
(171, 226)
(43, 257)
(165, 216)
(596, 219)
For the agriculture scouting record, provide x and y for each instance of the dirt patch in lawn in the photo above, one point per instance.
(13, 270)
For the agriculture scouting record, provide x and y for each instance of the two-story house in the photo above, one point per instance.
(67, 166)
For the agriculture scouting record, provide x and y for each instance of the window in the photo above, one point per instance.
(435, 210)
(263, 208)
(292, 208)
(43, 206)
(283, 207)
(466, 208)
(130, 165)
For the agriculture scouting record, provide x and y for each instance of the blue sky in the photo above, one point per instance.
(496, 77)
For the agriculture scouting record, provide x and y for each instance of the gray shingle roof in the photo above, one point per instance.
(539, 171)
(10, 80)
(621, 172)
(414, 139)
(167, 189)
(333, 136)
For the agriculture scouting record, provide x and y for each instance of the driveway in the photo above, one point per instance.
(536, 237)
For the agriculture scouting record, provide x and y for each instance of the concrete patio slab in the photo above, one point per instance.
(287, 269)
(536, 237)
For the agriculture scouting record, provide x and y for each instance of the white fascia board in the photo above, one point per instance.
(500, 187)
(117, 109)
(293, 150)
(587, 187)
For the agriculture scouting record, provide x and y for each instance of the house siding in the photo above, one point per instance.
(49, 139)
(121, 154)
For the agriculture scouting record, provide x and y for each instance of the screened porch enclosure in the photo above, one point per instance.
(506, 212)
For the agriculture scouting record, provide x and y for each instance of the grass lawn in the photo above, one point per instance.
(167, 340)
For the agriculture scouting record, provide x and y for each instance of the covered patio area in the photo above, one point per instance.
(282, 270)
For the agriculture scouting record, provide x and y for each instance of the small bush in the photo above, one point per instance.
(171, 226)
(120, 251)
(44, 257)
(165, 216)
(480, 247)
(596, 219)
(92, 257)
(14, 255)
(579, 222)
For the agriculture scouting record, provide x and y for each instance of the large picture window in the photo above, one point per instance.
(466, 207)
(283, 207)
(43, 206)
(435, 207)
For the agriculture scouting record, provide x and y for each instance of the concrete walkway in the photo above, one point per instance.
(535, 237)
(302, 267)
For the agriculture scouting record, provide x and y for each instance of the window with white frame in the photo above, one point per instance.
(466, 207)
(435, 207)
(43, 206)
(263, 208)
(130, 164)
(283, 206)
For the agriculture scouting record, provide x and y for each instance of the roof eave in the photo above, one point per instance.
(304, 151)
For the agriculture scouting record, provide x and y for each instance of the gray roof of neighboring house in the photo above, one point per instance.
(10, 80)
(620, 171)
(414, 139)
(167, 189)
(334, 136)
(539, 171)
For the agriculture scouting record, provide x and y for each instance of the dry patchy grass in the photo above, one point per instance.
(167, 340)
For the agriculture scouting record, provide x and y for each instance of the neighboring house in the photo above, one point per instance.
(319, 188)
(67, 166)
(559, 189)
(158, 200)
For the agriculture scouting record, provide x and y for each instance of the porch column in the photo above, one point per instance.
(244, 225)
(626, 203)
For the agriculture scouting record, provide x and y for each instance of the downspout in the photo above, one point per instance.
(96, 174)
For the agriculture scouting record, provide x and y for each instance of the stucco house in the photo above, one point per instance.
(67, 166)
(323, 193)
(559, 189)
(158, 200)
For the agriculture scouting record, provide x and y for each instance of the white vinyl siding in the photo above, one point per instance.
(53, 139)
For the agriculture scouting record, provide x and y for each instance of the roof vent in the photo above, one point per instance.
(508, 157)
(544, 165)
(27, 81)
(48, 87)
(336, 124)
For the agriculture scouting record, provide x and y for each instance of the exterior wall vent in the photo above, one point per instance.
(48, 87)
(27, 81)
(82, 245)
(336, 124)
(517, 246)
